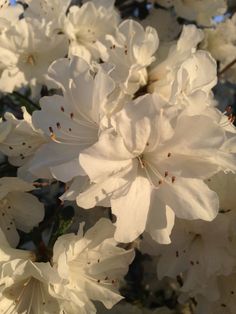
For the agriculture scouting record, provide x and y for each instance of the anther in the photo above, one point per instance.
(169, 154)
(72, 115)
(62, 109)
(173, 179)
(166, 174)
(58, 125)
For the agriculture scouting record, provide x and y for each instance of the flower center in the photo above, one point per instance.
(31, 60)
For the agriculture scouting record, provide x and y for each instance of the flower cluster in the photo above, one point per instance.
(122, 117)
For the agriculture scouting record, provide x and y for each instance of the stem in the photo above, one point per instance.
(26, 99)
(227, 67)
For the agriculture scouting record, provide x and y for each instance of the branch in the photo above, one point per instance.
(227, 67)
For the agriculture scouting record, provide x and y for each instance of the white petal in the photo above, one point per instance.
(131, 210)
(26, 210)
(190, 199)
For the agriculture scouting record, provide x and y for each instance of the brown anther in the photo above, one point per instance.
(31, 60)
(98, 260)
(113, 281)
(166, 174)
(62, 109)
(72, 115)
(23, 143)
(177, 253)
(173, 179)
(160, 182)
(50, 129)
(113, 46)
(147, 144)
(230, 117)
(58, 125)
(169, 154)
(70, 129)
(98, 280)
(10, 147)
(126, 52)
(106, 278)
(191, 262)
(228, 109)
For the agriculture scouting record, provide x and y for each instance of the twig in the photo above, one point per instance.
(227, 67)
(26, 99)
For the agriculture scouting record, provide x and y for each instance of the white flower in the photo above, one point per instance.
(24, 288)
(18, 209)
(73, 120)
(198, 251)
(186, 76)
(149, 164)
(131, 51)
(21, 140)
(91, 267)
(53, 11)
(194, 10)
(28, 54)
(86, 27)
(220, 42)
(9, 14)
(24, 284)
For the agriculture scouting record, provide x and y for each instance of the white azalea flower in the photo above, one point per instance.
(72, 121)
(91, 267)
(220, 42)
(86, 27)
(9, 14)
(53, 11)
(151, 164)
(24, 288)
(28, 54)
(200, 11)
(21, 140)
(199, 251)
(18, 209)
(131, 51)
(186, 76)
